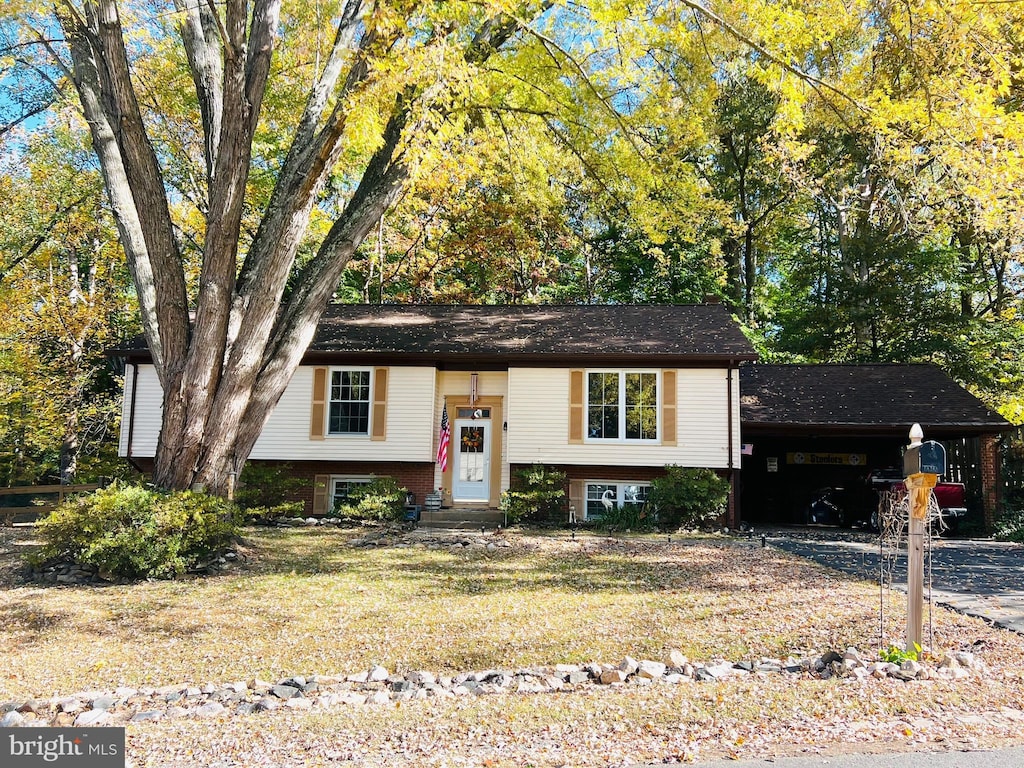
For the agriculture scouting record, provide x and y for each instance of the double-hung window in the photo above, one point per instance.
(622, 405)
(348, 410)
(343, 490)
(604, 496)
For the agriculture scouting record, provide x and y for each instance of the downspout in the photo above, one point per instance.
(734, 512)
(729, 400)
(131, 419)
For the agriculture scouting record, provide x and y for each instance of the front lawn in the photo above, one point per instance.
(305, 602)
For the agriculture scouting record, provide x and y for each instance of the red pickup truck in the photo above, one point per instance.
(951, 497)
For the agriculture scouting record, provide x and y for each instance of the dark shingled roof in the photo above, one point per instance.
(538, 334)
(553, 333)
(860, 396)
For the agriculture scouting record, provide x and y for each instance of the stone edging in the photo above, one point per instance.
(377, 686)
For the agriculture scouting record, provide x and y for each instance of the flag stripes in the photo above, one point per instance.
(445, 439)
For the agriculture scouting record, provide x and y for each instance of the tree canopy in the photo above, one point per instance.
(846, 175)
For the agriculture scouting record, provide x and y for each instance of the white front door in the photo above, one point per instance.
(471, 471)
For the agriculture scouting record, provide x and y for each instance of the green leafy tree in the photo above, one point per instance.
(65, 296)
(533, 151)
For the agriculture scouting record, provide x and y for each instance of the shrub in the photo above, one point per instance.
(687, 498)
(1010, 526)
(267, 515)
(380, 500)
(537, 495)
(628, 517)
(133, 532)
(265, 486)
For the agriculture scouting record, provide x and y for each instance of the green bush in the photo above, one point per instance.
(687, 498)
(380, 500)
(133, 532)
(537, 495)
(628, 517)
(265, 486)
(1010, 526)
(267, 515)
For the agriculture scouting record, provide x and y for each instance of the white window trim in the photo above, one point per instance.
(327, 405)
(622, 407)
(334, 479)
(619, 496)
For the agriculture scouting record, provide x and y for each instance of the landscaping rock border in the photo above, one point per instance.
(378, 686)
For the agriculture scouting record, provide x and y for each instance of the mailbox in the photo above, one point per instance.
(928, 458)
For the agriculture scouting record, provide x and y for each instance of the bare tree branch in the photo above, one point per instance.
(57, 217)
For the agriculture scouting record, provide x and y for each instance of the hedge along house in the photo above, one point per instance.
(810, 427)
(608, 394)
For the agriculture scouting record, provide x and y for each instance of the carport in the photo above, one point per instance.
(809, 427)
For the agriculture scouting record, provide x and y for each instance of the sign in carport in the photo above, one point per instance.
(827, 459)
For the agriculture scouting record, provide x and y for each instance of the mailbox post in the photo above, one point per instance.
(922, 465)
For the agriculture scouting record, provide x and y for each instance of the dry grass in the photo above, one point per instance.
(306, 602)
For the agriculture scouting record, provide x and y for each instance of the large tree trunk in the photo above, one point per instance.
(224, 369)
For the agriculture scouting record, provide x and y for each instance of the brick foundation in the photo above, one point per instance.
(637, 474)
(417, 477)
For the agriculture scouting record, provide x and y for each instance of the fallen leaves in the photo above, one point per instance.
(547, 599)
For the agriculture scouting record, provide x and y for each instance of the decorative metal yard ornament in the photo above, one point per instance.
(606, 500)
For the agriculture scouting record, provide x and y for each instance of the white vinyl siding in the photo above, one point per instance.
(536, 409)
(148, 410)
(538, 423)
(410, 427)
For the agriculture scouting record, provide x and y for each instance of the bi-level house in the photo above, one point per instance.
(608, 394)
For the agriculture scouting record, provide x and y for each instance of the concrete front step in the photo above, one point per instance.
(455, 518)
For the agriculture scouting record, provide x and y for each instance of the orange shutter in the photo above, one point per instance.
(576, 406)
(321, 492)
(379, 423)
(318, 410)
(669, 418)
(577, 499)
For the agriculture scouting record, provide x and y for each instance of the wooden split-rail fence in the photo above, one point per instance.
(41, 498)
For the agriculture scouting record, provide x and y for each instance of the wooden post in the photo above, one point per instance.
(922, 464)
(918, 490)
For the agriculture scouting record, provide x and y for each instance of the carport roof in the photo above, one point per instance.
(860, 398)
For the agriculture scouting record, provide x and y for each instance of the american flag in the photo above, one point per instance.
(446, 436)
